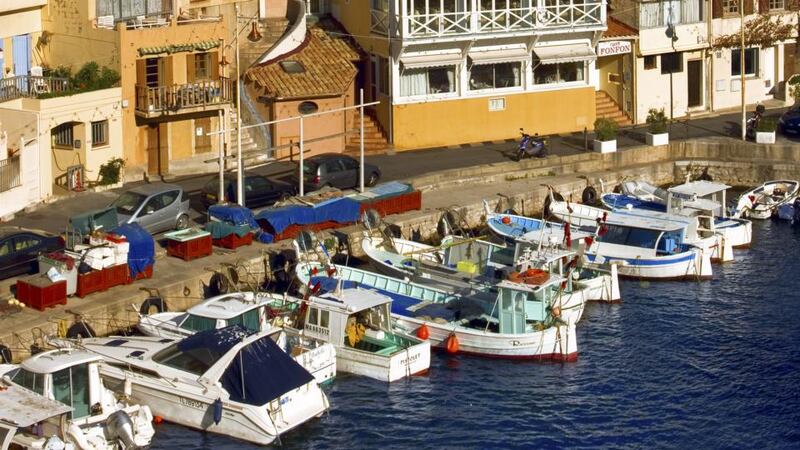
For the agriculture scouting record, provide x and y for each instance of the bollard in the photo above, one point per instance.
(585, 139)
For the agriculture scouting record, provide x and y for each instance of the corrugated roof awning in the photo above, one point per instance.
(177, 48)
(436, 60)
(565, 53)
(512, 54)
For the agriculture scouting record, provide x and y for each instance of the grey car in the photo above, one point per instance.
(156, 207)
(336, 170)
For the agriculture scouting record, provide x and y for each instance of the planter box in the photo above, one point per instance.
(765, 137)
(657, 139)
(40, 293)
(605, 146)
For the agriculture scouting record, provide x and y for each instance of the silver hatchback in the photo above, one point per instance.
(156, 207)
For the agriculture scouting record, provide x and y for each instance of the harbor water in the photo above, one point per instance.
(706, 365)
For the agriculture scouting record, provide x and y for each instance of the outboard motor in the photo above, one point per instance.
(120, 426)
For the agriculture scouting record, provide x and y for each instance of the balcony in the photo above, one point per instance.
(187, 98)
(31, 86)
(465, 17)
(661, 13)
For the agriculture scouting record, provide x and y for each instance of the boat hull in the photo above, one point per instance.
(412, 361)
(691, 265)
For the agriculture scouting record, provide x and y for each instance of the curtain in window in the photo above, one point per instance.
(196, 323)
(414, 82)
(692, 11)
(672, 12)
(62, 391)
(80, 390)
(248, 320)
(650, 15)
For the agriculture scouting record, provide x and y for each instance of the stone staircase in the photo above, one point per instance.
(249, 145)
(374, 138)
(607, 108)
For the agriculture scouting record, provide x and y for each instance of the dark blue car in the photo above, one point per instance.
(789, 124)
(20, 248)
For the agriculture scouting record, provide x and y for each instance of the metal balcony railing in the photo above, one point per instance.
(10, 173)
(30, 86)
(181, 97)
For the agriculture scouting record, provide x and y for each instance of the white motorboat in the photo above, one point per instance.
(511, 227)
(762, 201)
(358, 323)
(251, 311)
(528, 320)
(58, 397)
(228, 381)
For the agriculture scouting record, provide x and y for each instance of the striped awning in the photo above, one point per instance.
(555, 54)
(201, 46)
(514, 53)
(438, 59)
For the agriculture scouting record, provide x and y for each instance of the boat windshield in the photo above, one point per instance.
(29, 380)
(198, 323)
(249, 320)
(195, 360)
(634, 237)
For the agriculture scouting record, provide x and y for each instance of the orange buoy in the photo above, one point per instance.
(423, 332)
(530, 276)
(452, 344)
(506, 220)
(157, 420)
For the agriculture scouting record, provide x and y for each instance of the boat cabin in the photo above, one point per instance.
(521, 308)
(243, 309)
(550, 259)
(476, 256)
(637, 233)
(68, 376)
(698, 197)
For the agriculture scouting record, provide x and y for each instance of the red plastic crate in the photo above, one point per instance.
(115, 275)
(189, 250)
(233, 241)
(147, 273)
(41, 293)
(90, 282)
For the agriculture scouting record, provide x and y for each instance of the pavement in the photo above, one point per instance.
(54, 216)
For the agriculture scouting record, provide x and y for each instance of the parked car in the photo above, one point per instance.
(20, 248)
(336, 170)
(156, 207)
(258, 191)
(789, 123)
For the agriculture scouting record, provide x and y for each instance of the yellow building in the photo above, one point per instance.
(456, 71)
(173, 79)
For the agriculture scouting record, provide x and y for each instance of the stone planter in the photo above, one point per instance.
(605, 146)
(657, 139)
(765, 137)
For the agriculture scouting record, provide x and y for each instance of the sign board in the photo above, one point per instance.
(613, 48)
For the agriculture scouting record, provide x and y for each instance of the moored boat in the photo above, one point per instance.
(762, 201)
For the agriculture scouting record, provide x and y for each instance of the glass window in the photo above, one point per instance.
(642, 238)
(5, 248)
(167, 198)
(313, 316)
(671, 63)
(24, 242)
(248, 320)
(334, 166)
(558, 73)
(100, 133)
(256, 184)
(62, 135)
(197, 323)
(128, 203)
(202, 64)
(493, 76)
(80, 390)
(730, 6)
(196, 361)
(750, 62)
(650, 62)
(62, 391)
(776, 4)
(324, 318)
(435, 80)
(349, 164)
(615, 235)
(152, 72)
(29, 380)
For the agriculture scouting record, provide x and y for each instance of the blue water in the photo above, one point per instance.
(707, 365)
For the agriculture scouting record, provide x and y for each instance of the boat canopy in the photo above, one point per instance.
(22, 408)
(355, 299)
(225, 306)
(699, 188)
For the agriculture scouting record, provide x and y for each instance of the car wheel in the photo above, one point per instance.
(182, 223)
(285, 196)
(373, 179)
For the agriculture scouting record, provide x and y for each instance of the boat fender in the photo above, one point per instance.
(217, 411)
(153, 302)
(6, 357)
(589, 195)
(423, 332)
(81, 330)
(218, 285)
(451, 345)
(119, 426)
(506, 220)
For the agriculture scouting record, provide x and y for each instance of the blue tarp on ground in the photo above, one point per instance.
(342, 210)
(233, 214)
(142, 252)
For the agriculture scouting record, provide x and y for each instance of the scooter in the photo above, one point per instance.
(531, 146)
(752, 122)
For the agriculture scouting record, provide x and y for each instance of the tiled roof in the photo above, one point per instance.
(328, 64)
(617, 29)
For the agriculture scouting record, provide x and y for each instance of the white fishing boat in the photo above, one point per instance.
(511, 227)
(510, 320)
(762, 201)
(358, 323)
(648, 248)
(227, 381)
(251, 311)
(56, 399)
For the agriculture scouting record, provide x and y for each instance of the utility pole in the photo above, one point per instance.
(239, 168)
(741, 69)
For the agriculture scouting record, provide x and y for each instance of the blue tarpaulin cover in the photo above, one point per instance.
(220, 230)
(233, 214)
(142, 252)
(342, 210)
(262, 371)
(385, 190)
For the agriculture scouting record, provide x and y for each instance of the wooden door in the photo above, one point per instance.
(789, 60)
(694, 74)
(157, 150)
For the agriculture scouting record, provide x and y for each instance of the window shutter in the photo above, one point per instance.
(716, 9)
(790, 5)
(748, 7)
(763, 6)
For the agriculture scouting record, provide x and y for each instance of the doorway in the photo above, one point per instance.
(157, 149)
(789, 60)
(694, 75)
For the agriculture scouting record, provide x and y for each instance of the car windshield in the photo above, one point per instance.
(128, 203)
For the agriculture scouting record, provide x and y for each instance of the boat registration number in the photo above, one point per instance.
(192, 403)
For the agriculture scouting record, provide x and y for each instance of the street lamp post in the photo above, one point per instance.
(239, 168)
(741, 69)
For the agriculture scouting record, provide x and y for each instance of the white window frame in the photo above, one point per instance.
(100, 127)
(440, 95)
(63, 133)
(751, 50)
(776, 5)
(520, 87)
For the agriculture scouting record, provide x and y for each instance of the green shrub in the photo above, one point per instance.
(90, 77)
(656, 121)
(767, 125)
(605, 129)
(110, 171)
(794, 87)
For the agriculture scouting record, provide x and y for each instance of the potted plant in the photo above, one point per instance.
(657, 127)
(765, 130)
(605, 135)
